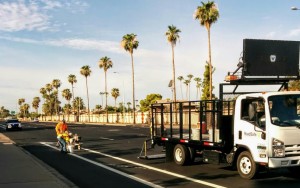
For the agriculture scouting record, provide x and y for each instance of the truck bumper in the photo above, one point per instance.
(284, 162)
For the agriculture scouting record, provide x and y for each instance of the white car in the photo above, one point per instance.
(13, 124)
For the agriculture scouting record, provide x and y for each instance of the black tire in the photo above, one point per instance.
(181, 155)
(246, 166)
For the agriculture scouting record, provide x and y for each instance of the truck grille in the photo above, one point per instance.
(292, 150)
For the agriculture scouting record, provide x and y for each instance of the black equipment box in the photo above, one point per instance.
(212, 157)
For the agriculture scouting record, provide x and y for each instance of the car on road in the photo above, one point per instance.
(13, 124)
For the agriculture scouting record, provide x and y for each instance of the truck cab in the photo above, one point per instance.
(267, 131)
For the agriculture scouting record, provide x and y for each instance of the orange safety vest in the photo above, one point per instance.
(61, 128)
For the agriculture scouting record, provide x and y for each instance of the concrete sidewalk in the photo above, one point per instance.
(19, 168)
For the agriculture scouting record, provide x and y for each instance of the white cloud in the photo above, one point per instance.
(51, 4)
(18, 16)
(294, 32)
(87, 44)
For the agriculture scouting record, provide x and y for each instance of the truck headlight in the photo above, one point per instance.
(278, 148)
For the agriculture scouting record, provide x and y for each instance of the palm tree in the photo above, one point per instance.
(72, 79)
(129, 43)
(105, 63)
(49, 88)
(78, 103)
(128, 104)
(20, 102)
(56, 83)
(173, 36)
(190, 76)
(180, 78)
(98, 108)
(66, 93)
(115, 93)
(208, 14)
(187, 82)
(198, 85)
(86, 71)
(25, 108)
(35, 103)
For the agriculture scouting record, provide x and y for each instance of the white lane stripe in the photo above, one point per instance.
(108, 168)
(103, 138)
(154, 169)
(157, 169)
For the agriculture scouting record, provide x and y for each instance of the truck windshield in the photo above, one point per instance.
(285, 110)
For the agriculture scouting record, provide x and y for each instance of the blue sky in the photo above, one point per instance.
(42, 40)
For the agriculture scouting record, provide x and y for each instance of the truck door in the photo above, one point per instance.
(250, 127)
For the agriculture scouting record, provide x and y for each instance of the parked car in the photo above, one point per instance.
(13, 124)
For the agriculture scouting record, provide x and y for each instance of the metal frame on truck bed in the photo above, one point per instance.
(185, 123)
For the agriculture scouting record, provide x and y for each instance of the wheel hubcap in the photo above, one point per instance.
(245, 165)
(178, 155)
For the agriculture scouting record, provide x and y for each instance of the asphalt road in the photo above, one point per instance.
(109, 158)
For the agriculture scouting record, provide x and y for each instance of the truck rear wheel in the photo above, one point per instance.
(246, 166)
(181, 154)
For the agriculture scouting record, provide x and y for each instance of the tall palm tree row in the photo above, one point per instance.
(86, 71)
(172, 37)
(208, 14)
(130, 43)
(105, 63)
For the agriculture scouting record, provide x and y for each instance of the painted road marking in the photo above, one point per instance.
(147, 167)
(103, 138)
(156, 169)
(106, 167)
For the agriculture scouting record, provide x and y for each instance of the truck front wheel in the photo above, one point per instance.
(181, 154)
(246, 166)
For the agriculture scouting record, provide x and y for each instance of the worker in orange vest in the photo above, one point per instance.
(60, 128)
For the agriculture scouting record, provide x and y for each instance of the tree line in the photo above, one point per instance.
(207, 14)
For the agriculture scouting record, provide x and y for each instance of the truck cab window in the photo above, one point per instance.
(284, 110)
(253, 111)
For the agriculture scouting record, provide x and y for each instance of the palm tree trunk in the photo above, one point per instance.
(57, 107)
(87, 94)
(68, 110)
(73, 100)
(106, 97)
(210, 65)
(173, 64)
(210, 116)
(174, 83)
(133, 94)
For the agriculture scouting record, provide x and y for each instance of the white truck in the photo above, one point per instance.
(261, 129)
(247, 132)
